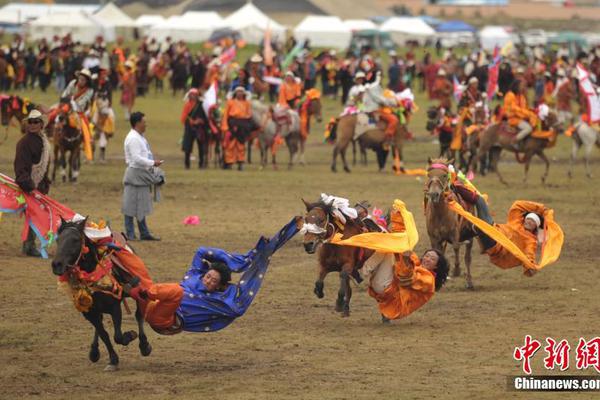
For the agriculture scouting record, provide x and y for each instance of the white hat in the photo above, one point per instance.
(289, 73)
(560, 72)
(359, 75)
(256, 58)
(393, 53)
(474, 80)
(36, 114)
(129, 64)
(85, 72)
(239, 89)
(535, 218)
(441, 72)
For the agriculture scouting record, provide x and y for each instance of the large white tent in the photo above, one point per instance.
(252, 24)
(324, 31)
(145, 22)
(360, 25)
(114, 22)
(193, 26)
(402, 29)
(26, 12)
(81, 27)
(492, 36)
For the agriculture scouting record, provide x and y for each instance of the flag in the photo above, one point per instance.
(493, 69)
(210, 97)
(267, 49)
(228, 55)
(290, 56)
(458, 89)
(587, 88)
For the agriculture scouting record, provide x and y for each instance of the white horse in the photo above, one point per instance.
(586, 136)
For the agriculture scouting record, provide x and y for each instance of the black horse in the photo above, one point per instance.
(75, 249)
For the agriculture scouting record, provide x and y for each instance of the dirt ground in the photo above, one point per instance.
(291, 344)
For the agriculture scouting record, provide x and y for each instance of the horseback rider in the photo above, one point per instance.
(517, 111)
(442, 90)
(290, 91)
(471, 96)
(80, 91)
(356, 91)
(378, 102)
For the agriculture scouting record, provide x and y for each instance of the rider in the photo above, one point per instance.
(518, 113)
(442, 90)
(80, 91)
(237, 125)
(290, 91)
(356, 91)
(374, 101)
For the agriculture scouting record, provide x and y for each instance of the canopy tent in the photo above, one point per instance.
(568, 37)
(10, 21)
(492, 36)
(431, 21)
(403, 29)
(81, 27)
(114, 22)
(28, 12)
(455, 26)
(360, 24)
(252, 24)
(323, 31)
(145, 22)
(193, 26)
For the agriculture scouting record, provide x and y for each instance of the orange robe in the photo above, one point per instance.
(516, 109)
(164, 299)
(241, 109)
(289, 92)
(412, 286)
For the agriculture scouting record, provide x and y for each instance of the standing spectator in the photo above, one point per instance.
(31, 167)
(140, 177)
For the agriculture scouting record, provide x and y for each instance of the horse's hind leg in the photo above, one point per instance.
(456, 248)
(94, 354)
(145, 347)
(588, 154)
(343, 154)
(468, 276)
(574, 150)
(345, 291)
(117, 316)
(334, 159)
(547, 162)
(96, 320)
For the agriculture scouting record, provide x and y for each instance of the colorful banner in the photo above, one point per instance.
(587, 88)
(493, 70)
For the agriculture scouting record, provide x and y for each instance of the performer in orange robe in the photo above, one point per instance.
(517, 111)
(289, 91)
(237, 125)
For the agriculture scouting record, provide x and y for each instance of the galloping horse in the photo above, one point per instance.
(443, 225)
(320, 225)
(373, 139)
(501, 135)
(76, 255)
(67, 138)
(15, 107)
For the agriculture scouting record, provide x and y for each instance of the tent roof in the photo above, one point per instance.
(455, 26)
(193, 20)
(74, 19)
(10, 17)
(429, 20)
(322, 23)
(359, 24)
(149, 20)
(409, 25)
(112, 15)
(494, 31)
(249, 15)
(27, 11)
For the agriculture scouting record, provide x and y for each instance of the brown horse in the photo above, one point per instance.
(319, 226)
(67, 138)
(15, 107)
(371, 139)
(443, 225)
(501, 135)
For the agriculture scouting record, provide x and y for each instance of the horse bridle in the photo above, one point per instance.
(81, 249)
(320, 230)
(433, 179)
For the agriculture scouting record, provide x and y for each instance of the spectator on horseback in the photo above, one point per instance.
(517, 111)
(442, 90)
(196, 127)
(79, 91)
(290, 91)
(471, 96)
(375, 100)
(31, 167)
(355, 94)
(237, 125)
(140, 177)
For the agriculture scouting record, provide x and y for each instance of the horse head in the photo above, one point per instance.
(437, 178)
(316, 227)
(315, 108)
(69, 245)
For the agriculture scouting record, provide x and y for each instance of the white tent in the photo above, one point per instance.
(193, 26)
(114, 22)
(360, 24)
(252, 24)
(324, 31)
(402, 29)
(27, 12)
(146, 21)
(492, 36)
(81, 27)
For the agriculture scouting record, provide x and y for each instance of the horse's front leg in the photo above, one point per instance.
(320, 283)
(145, 347)
(94, 354)
(117, 317)
(302, 143)
(345, 289)
(588, 154)
(574, 150)
(468, 276)
(95, 318)
(343, 154)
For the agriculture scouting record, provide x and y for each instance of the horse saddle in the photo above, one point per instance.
(364, 123)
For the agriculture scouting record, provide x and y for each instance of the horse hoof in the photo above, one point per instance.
(470, 286)
(94, 355)
(456, 273)
(345, 314)
(590, 176)
(333, 169)
(111, 368)
(346, 169)
(146, 350)
(129, 337)
(339, 308)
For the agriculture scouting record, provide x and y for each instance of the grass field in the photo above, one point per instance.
(291, 344)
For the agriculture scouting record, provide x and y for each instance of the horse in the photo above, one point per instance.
(374, 138)
(320, 226)
(15, 107)
(443, 225)
(500, 135)
(586, 136)
(75, 250)
(440, 124)
(276, 122)
(67, 138)
(466, 139)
